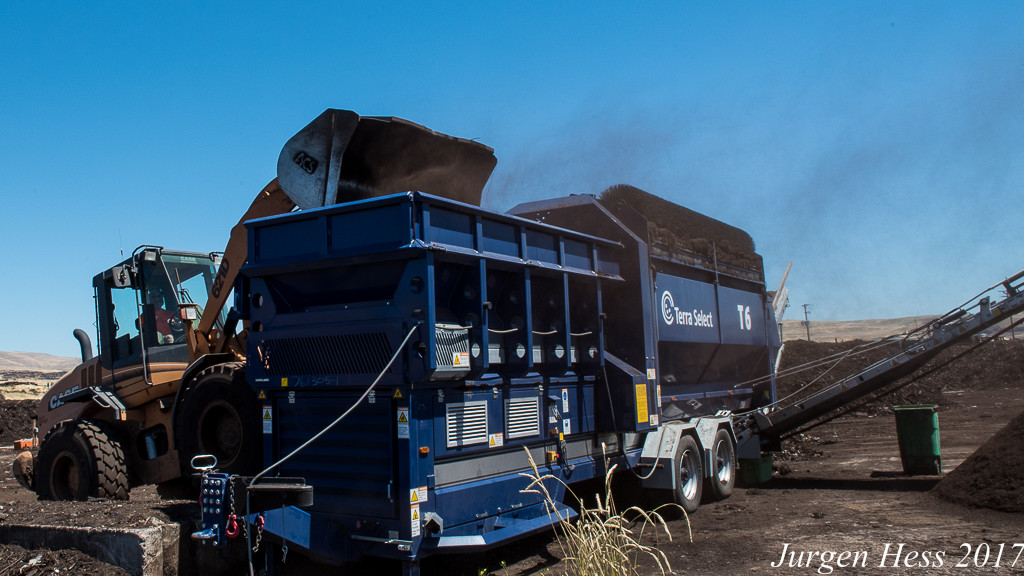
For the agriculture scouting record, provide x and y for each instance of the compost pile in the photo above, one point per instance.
(810, 366)
(946, 387)
(16, 417)
(992, 477)
(16, 560)
(680, 229)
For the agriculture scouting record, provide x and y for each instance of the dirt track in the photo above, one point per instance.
(841, 491)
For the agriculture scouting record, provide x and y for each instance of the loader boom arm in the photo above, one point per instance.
(270, 201)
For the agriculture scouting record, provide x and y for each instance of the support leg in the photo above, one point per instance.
(410, 568)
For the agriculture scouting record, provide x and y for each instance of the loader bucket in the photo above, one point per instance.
(342, 157)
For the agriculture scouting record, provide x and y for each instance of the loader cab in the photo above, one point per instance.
(138, 305)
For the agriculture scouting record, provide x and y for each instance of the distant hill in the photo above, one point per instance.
(839, 331)
(851, 329)
(36, 361)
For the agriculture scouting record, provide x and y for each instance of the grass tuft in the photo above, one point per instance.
(602, 541)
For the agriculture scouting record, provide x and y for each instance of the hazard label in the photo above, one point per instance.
(263, 395)
(651, 374)
(565, 399)
(284, 382)
(397, 394)
(460, 359)
(403, 422)
(641, 403)
(496, 440)
(268, 420)
(418, 495)
(415, 521)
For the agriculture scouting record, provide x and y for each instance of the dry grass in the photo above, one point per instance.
(603, 541)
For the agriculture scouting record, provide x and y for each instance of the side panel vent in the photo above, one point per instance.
(522, 417)
(466, 423)
(452, 343)
(366, 353)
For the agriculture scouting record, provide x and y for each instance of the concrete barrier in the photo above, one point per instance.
(148, 551)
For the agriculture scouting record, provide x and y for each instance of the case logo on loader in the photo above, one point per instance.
(57, 401)
(222, 274)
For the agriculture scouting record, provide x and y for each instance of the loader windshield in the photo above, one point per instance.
(191, 278)
(171, 281)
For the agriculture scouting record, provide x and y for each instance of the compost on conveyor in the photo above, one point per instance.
(678, 229)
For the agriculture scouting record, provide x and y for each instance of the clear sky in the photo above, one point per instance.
(879, 146)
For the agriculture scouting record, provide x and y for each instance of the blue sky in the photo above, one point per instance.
(878, 146)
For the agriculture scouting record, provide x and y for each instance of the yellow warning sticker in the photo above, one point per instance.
(263, 395)
(496, 440)
(397, 394)
(460, 358)
(418, 495)
(651, 374)
(415, 521)
(268, 420)
(641, 404)
(284, 382)
(266, 414)
(403, 423)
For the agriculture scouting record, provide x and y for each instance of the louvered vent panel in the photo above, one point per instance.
(366, 353)
(523, 417)
(466, 423)
(451, 341)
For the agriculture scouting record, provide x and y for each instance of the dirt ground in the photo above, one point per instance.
(837, 489)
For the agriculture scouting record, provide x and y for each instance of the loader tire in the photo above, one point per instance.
(79, 459)
(687, 491)
(220, 416)
(722, 479)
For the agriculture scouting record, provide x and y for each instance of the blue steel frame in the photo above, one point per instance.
(431, 462)
(326, 289)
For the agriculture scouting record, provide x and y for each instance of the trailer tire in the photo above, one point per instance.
(722, 479)
(80, 459)
(219, 415)
(690, 479)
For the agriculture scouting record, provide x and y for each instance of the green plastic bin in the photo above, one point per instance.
(754, 471)
(917, 428)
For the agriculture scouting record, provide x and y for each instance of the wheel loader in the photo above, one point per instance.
(168, 380)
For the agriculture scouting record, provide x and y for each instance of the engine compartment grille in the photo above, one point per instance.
(365, 353)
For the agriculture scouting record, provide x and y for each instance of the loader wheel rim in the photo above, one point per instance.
(689, 475)
(220, 432)
(65, 477)
(723, 461)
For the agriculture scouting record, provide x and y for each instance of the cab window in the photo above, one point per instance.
(126, 322)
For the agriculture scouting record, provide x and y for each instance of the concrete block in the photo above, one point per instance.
(148, 551)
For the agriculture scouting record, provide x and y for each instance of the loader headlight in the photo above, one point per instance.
(189, 312)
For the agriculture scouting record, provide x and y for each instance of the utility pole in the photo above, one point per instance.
(807, 322)
(1013, 329)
